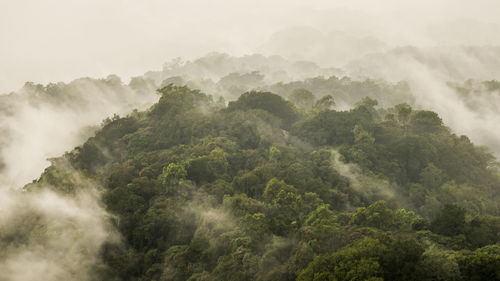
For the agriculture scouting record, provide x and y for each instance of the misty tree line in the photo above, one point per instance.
(252, 190)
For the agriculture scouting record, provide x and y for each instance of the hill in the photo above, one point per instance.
(265, 188)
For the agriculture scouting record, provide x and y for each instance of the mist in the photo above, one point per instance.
(125, 50)
(40, 122)
(425, 43)
(62, 40)
(47, 235)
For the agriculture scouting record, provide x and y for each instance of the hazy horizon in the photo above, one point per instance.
(421, 43)
(64, 40)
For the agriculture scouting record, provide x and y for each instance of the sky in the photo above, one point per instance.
(60, 40)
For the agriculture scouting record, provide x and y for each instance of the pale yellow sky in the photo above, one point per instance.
(59, 40)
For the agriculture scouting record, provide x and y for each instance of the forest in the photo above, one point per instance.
(249, 140)
(283, 183)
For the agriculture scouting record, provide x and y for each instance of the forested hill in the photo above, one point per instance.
(271, 189)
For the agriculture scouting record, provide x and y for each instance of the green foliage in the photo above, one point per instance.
(369, 259)
(449, 221)
(422, 122)
(403, 111)
(302, 98)
(376, 215)
(483, 230)
(324, 103)
(259, 190)
(173, 173)
(266, 101)
(482, 264)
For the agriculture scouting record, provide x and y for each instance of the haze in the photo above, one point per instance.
(56, 40)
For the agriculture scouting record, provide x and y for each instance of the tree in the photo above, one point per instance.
(413, 154)
(356, 262)
(423, 122)
(403, 111)
(401, 260)
(321, 229)
(200, 170)
(302, 98)
(273, 188)
(324, 103)
(432, 177)
(483, 231)
(173, 173)
(367, 102)
(482, 264)
(266, 101)
(376, 215)
(449, 221)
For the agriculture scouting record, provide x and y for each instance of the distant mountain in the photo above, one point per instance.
(334, 48)
(215, 66)
(453, 63)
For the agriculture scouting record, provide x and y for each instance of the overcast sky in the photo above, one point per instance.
(59, 40)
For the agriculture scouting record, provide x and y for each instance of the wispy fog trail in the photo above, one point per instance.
(46, 236)
(429, 73)
(42, 122)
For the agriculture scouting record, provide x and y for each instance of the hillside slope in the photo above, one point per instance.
(265, 189)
